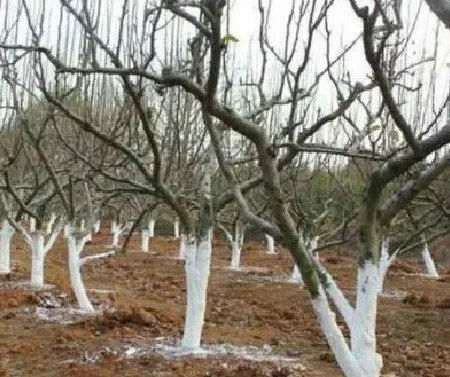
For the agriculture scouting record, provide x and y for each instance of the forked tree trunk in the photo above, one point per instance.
(75, 249)
(6, 234)
(198, 261)
(270, 244)
(145, 240)
(430, 267)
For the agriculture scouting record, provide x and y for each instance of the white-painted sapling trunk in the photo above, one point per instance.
(385, 262)
(37, 259)
(296, 276)
(198, 261)
(50, 224)
(32, 225)
(183, 240)
(97, 227)
(145, 240)
(113, 226)
(75, 249)
(236, 246)
(430, 267)
(82, 226)
(270, 244)
(6, 234)
(176, 229)
(151, 228)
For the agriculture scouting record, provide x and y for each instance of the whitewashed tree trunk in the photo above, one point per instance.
(75, 250)
(198, 261)
(32, 225)
(363, 339)
(270, 244)
(50, 224)
(37, 259)
(176, 229)
(183, 240)
(236, 245)
(385, 262)
(113, 226)
(151, 228)
(296, 276)
(82, 226)
(66, 230)
(116, 235)
(6, 234)
(430, 267)
(145, 240)
(97, 225)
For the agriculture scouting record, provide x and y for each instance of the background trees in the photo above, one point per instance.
(296, 137)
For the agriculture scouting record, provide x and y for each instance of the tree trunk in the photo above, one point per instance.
(176, 229)
(75, 250)
(430, 267)
(151, 228)
(37, 259)
(6, 234)
(97, 227)
(198, 260)
(82, 226)
(32, 225)
(385, 262)
(362, 334)
(183, 240)
(145, 240)
(270, 244)
(296, 276)
(50, 224)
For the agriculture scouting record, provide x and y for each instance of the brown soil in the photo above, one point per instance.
(244, 308)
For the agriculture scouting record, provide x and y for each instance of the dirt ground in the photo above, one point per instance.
(253, 307)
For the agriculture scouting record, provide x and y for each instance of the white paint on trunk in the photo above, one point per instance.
(6, 234)
(145, 240)
(32, 225)
(66, 230)
(176, 229)
(385, 262)
(198, 261)
(270, 244)
(296, 276)
(183, 240)
(75, 250)
(115, 241)
(82, 226)
(327, 319)
(113, 226)
(37, 259)
(430, 267)
(97, 225)
(363, 340)
(50, 224)
(151, 228)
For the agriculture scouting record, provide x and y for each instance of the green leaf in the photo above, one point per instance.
(229, 38)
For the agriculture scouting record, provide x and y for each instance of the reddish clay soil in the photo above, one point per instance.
(244, 308)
